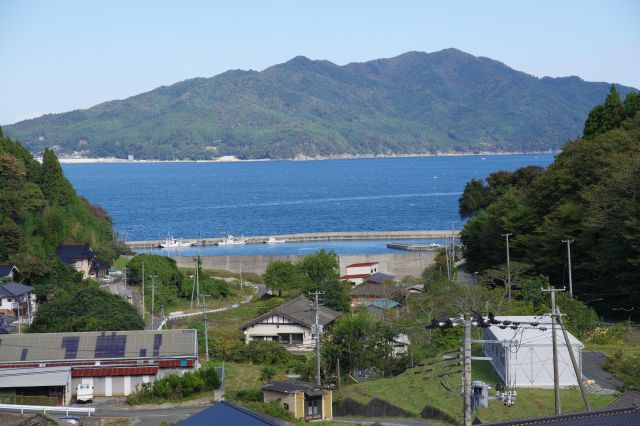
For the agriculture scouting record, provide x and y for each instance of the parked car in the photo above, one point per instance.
(70, 419)
(84, 392)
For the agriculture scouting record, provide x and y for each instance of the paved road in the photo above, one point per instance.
(592, 369)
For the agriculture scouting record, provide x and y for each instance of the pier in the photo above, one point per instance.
(314, 236)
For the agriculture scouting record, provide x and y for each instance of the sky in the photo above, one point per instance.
(61, 55)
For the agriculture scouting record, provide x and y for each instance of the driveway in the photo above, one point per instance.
(592, 363)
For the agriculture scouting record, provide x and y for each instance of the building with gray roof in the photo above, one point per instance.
(290, 324)
(114, 362)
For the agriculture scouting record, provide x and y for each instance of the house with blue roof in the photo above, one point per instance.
(228, 414)
(19, 301)
(83, 259)
(8, 272)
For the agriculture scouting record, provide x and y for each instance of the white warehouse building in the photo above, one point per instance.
(524, 356)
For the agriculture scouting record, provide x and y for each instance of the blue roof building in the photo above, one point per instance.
(228, 414)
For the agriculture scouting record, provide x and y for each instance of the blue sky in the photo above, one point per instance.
(62, 55)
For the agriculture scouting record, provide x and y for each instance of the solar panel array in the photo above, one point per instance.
(98, 345)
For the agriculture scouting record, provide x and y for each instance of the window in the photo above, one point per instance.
(286, 406)
(77, 264)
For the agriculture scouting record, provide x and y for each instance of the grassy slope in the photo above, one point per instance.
(416, 393)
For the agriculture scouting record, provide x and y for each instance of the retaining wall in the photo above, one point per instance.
(398, 264)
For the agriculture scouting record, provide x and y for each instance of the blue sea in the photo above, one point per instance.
(194, 200)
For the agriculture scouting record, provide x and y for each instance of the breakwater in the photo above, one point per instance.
(312, 236)
(398, 264)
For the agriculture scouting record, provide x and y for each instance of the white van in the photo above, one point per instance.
(84, 392)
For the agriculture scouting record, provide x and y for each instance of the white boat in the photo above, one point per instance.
(230, 240)
(274, 240)
(171, 242)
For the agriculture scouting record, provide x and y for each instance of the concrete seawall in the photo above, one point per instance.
(316, 236)
(398, 264)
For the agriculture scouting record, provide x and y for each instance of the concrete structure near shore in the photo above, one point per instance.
(315, 236)
(397, 264)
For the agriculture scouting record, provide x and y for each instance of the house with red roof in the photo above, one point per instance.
(357, 272)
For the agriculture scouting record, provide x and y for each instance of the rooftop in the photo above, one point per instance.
(133, 344)
(616, 417)
(228, 414)
(377, 291)
(630, 398)
(29, 377)
(300, 311)
(6, 268)
(13, 289)
(383, 303)
(358, 265)
(293, 386)
(379, 278)
(70, 252)
(539, 335)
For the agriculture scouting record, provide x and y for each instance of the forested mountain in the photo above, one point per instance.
(39, 209)
(590, 195)
(414, 103)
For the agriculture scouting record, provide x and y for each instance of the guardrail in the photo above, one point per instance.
(45, 408)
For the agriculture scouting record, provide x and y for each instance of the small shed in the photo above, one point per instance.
(302, 399)
(523, 354)
(36, 386)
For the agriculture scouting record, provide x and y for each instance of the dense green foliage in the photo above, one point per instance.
(86, 307)
(315, 272)
(414, 103)
(589, 195)
(174, 387)
(39, 209)
(360, 342)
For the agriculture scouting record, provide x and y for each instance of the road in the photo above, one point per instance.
(158, 323)
(592, 369)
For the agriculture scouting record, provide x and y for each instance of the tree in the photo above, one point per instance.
(282, 275)
(54, 185)
(267, 374)
(613, 113)
(168, 280)
(322, 273)
(86, 308)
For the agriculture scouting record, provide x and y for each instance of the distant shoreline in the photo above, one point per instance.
(233, 159)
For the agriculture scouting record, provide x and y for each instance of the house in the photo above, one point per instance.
(357, 272)
(401, 345)
(290, 324)
(5, 320)
(367, 293)
(8, 272)
(304, 400)
(83, 259)
(19, 299)
(524, 355)
(629, 416)
(379, 278)
(113, 362)
(415, 289)
(629, 398)
(384, 308)
(228, 414)
(36, 386)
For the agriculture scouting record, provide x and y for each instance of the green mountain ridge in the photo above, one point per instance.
(414, 103)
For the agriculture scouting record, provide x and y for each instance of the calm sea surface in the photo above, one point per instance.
(189, 200)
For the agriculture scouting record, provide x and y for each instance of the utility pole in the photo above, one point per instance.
(240, 275)
(467, 370)
(587, 406)
(317, 336)
(206, 325)
(338, 376)
(125, 283)
(569, 260)
(143, 291)
(507, 235)
(153, 296)
(556, 377)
